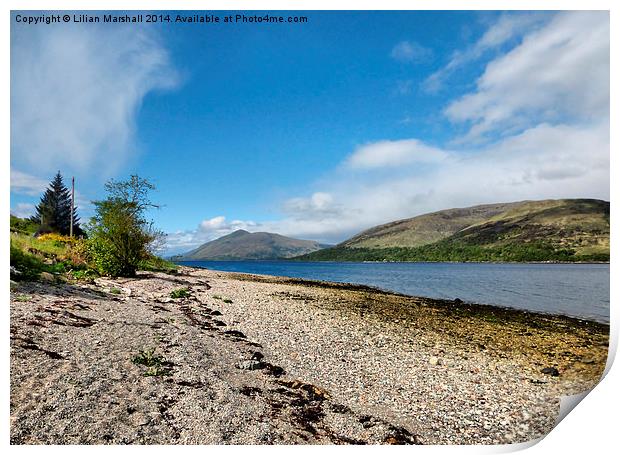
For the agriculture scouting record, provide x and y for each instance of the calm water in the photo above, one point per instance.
(580, 290)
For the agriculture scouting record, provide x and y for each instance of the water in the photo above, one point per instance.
(579, 290)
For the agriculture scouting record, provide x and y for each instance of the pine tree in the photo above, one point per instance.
(54, 209)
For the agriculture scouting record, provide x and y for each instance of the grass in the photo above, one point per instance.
(157, 264)
(84, 274)
(57, 254)
(23, 226)
(115, 291)
(227, 301)
(30, 256)
(28, 266)
(574, 230)
(45, 248)
(180, 293)
(155, 364)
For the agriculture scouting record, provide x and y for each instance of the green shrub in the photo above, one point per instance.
(120, 238)
(84, 274)
(27, 266)
(180, 293)
(23, 226)
(156, 365)
(157, 264)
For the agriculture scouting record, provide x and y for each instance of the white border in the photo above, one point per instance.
(590, 429)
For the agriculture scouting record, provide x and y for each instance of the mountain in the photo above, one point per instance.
(242, 245)
(549, 230)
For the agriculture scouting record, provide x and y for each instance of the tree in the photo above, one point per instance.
(54, 210)
(120, 236)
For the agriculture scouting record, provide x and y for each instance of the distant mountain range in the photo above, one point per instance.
(243, 245)
(549, 230)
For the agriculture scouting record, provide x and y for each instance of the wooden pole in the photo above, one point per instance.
(72, 205)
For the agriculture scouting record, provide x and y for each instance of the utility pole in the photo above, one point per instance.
(72, 205)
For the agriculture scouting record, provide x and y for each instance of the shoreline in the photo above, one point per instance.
(392, 262)
(370, 288)
(255, 359)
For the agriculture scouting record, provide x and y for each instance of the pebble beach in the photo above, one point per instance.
(250, 359)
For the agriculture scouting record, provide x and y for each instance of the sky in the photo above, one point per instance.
(314, 130)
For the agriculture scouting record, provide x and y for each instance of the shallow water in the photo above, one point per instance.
(579, 290)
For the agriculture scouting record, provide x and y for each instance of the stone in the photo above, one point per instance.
(46, 276)
(551, 371)
(434, 360)
(257, 356)
(250, 365)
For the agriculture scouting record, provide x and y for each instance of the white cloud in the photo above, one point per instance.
(394, 154)
(409, 51)
(544, 162)
(23, 210)
(546, 101)
(75, 91)
(30, 185)
(559, 73)
(506, 28)
(23, 183)
(213, 224)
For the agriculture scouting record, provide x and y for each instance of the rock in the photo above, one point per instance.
(257, 356)
(46, 276)
(250, 365)
(551, 371)
(434, 360)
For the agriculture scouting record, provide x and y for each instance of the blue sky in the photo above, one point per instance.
(314, 130)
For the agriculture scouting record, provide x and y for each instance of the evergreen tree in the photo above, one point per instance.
(54, 209)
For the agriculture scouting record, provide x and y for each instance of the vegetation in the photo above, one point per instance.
(154, 263)
(156, 365)
(120, 237)
(53, 213)
(243, 245)
(120, 241)
(455, 251)
(51, 253)
(180, 293)
(568, 230)
(23, 226)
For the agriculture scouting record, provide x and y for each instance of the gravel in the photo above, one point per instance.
(261, 360)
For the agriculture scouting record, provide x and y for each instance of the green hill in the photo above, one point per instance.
(550, 230)
(242, 245)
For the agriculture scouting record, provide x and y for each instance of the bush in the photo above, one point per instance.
(120, 238)
(23, 226)
(180, 293)
(27, 266)
(157, 264)
(58, 239)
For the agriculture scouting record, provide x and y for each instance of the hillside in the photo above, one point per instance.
(549, 230)
(242, 245)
